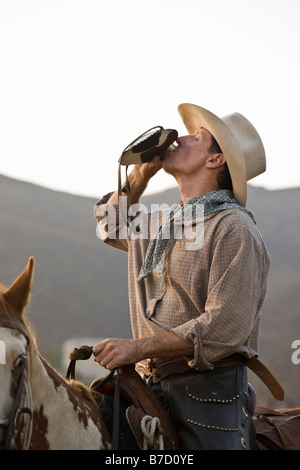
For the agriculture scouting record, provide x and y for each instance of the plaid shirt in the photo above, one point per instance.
(211, 297)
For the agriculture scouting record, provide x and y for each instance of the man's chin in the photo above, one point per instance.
(167, 164)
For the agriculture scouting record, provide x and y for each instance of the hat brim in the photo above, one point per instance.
(194, 117)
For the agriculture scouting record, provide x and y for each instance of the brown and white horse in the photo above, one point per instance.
(39, 409)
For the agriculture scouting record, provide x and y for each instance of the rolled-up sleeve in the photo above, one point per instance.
(236, 290)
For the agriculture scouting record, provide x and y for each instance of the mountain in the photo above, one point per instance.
(80, 285)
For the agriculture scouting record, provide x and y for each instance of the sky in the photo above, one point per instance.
(80, 79)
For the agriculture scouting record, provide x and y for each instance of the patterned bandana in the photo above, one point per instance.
(214, 201)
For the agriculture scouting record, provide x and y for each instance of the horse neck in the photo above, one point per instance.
(62, 418)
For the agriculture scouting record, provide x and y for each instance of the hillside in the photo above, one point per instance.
(80, 285)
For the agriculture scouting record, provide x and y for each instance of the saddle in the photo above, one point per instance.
(143, 403)
(277, 429)
(145, 412)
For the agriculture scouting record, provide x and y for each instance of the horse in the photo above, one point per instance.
(39, 409)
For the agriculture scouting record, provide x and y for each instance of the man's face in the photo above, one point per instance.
(191, 153)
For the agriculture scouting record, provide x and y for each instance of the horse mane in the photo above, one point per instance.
(84, 391)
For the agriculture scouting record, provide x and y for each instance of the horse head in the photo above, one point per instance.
(14, 359)
(39, 409)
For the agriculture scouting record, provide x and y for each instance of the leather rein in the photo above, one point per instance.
(84, 353)
(19, 384)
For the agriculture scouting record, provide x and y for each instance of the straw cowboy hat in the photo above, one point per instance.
(240, 143)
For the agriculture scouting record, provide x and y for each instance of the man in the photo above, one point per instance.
(195, 313)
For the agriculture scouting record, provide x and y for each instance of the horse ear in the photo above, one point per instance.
(17, 295)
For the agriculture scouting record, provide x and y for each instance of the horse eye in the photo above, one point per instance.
(19, 362)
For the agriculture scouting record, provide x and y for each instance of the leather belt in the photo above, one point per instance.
(160, 368)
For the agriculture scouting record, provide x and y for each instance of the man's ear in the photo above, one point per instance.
(215, 160)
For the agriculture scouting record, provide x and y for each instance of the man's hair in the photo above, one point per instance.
(214, 146)
(223, 178)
